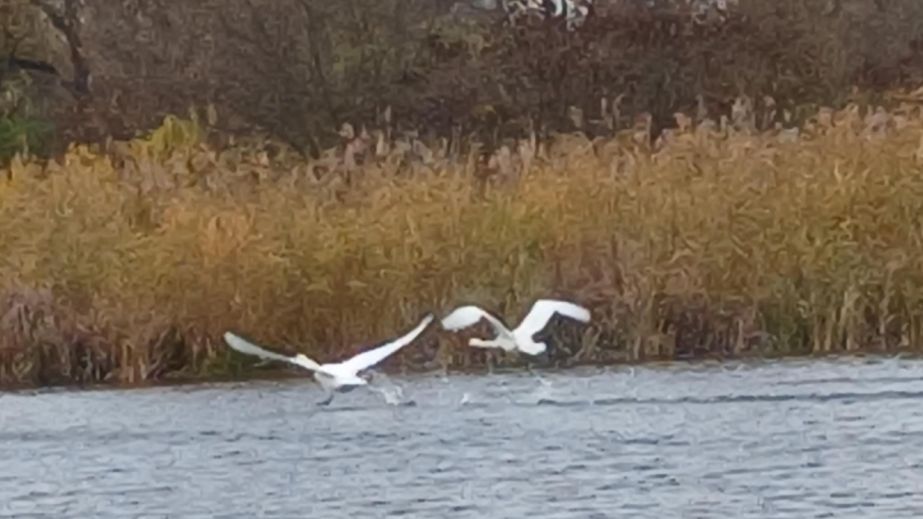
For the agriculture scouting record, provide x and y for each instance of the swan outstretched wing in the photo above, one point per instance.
(247, 347)
(542, 312)
(469, 315)
(371, 357)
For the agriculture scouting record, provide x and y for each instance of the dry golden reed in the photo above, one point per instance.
(128, 264)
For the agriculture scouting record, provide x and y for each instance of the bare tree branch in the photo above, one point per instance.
(69, 25)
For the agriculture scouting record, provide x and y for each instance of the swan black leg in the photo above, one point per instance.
(326, 401)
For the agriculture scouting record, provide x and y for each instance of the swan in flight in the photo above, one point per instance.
(338, 376)
(521, 338)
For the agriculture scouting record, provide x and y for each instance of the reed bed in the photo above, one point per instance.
(127, 262)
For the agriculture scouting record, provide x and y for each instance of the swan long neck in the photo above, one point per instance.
(482, 343)
(500, 342)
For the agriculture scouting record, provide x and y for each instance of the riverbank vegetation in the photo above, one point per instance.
(126, 261)
(350, 165)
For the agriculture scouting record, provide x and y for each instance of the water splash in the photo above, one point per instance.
(392, 393)
(544, 390)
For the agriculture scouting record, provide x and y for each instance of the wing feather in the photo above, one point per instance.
(469, 315)
(371, 357)
(247, 347)
(544, 309)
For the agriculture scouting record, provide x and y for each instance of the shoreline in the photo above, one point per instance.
(284, 374)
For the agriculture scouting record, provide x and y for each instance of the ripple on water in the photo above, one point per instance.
(785, 439)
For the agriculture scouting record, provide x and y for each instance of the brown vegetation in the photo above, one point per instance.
(128, 263)
(361, 162)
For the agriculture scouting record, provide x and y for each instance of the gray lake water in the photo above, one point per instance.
(782, 439)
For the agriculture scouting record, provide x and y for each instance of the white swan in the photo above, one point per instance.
(521, 338)
(338, 376)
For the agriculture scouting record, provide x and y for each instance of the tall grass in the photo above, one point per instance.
(128, 264)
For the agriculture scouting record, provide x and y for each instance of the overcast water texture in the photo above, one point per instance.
(793, 439)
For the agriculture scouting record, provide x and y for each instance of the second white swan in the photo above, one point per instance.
(520, 338)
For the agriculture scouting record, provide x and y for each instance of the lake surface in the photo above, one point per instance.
(794, 439)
